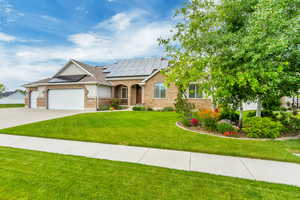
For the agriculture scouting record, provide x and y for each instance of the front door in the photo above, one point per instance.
(138, 94)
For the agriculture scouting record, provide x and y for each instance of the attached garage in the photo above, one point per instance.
(66, 99)
(33, 99)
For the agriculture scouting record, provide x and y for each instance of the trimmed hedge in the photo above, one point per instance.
(139, 108)
(262, 127)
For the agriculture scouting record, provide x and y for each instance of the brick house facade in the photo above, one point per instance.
(84, 87)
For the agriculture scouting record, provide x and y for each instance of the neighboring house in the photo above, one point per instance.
(13, 97)
(78, 86)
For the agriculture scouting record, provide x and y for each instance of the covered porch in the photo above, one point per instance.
(128, 94)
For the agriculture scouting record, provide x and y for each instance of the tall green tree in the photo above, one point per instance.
(235, 48)
(270, 48)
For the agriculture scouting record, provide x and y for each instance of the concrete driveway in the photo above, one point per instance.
(11, 117)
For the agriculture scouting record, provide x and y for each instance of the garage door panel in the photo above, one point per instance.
(66, 99)
(33, 99)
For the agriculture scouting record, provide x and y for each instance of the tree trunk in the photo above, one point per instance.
(259, 107)
(241, 115)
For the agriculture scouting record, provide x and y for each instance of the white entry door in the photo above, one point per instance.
(66, 99)
(33, 99)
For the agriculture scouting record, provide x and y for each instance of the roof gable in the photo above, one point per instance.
(74, 72)
(72, 68)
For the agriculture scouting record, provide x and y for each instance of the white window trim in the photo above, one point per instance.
(154, 91)
(187, 96)
(124, 87)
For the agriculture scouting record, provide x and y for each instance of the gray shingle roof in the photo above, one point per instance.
(97, 73)
(6, 94)
(135, 67)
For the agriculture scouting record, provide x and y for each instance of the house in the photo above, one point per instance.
(12, 97)
(78, 86)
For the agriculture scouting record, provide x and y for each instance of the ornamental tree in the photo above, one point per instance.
(240, 50)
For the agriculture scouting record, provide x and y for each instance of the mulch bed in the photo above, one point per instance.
(240, 135)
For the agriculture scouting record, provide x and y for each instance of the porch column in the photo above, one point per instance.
(143, 93)
(113, 95)
(129, 95)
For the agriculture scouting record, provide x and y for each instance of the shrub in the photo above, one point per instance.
(230, 134)
(229, 114)
(115, 103)
(209, 119)
(283, 109)
(168, 109)
(183, 107)
(208, 113)
(186, 122)
(291, 124)
(262, 127)
(139, 108)
(194, 122)
(264, 113)
(149, 109)
(103, 107)
(224, 127)
(295, 112)
(209, 123)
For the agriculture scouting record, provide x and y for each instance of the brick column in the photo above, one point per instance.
(143, 93)
(129, 95)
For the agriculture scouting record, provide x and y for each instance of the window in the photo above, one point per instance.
(194, 92)
(124, 93)
(159, 91)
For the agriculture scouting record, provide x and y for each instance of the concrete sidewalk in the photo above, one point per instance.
(255, 169)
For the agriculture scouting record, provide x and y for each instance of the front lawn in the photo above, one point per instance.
(153, 129)
(11, 105)
(37, 175)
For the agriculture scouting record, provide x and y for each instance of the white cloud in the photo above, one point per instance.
(50, 19)
(122, 20)
(24, 63)
(8, 14)
(6, 38)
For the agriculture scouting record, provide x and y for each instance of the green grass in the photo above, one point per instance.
(153, 129)
(36, 175)
(11, 105)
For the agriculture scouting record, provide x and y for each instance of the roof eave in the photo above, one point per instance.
(70, 83)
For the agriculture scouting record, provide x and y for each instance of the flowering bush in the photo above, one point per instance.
(208, 119)
(230, 133)
(208, 113)
(194, 122)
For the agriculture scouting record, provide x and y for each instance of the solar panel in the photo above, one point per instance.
(65, 79)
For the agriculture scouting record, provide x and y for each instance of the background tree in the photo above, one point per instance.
(2, 88)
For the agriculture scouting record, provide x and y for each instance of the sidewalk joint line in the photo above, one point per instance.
(190, 164)
(247, 168)
(144, 154)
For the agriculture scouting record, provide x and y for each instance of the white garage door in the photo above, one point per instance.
(33, 99)
(66, 99)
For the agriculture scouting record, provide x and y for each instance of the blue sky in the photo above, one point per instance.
(38, 37)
